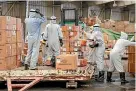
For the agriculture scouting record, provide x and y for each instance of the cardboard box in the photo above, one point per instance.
(19, 36)
(3, 63)
(19, 48)
(66, 35)
(66, 62)
(18, 61)
(13, 38)
(12, 63)
(73, 33)
(13, 21)
(14, 50)
(5, 37)
(106, 37)
(5, 22)
(18, 25)
(64, 28)
(5, 51)
(75, 28)
(130, 28)
(120, 26)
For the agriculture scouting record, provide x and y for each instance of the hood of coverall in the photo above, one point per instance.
(123, 36)
(33, 14)
(53, 19)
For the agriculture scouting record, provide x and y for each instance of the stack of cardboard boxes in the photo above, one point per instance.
(71, 51)
(119, 26)
(8, 42)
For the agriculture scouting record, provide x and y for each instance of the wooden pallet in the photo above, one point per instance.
(45, 73)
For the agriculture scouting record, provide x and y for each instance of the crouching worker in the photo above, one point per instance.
(33, 26)
(115, 58)
(53, 38)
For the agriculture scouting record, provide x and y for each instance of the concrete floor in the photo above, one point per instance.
(91, 85)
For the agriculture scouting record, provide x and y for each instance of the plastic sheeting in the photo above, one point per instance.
(113, 35)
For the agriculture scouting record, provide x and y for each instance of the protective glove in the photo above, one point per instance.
(38, 11)
(61, 42)
(44, 42)
(91, 46)
(96, 45)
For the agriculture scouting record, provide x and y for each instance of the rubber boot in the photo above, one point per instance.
(101, 76)
(109, 75)
(122, 78)
(53, 60)
(26, 67)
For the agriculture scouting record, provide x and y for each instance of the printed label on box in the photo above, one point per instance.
(58, 60)
(71, 33)
(13, 32)
(8, 18)
(75, 49)
(64, 49)
(14, 27)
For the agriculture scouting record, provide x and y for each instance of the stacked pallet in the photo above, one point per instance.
(9, 42)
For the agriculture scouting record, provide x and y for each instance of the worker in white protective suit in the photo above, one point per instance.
(98, 54)
(115, 57)
(53, 38)
(33, 26)
(95, 37)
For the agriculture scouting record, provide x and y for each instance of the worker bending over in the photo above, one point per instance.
(33, 26)
(53, 38)
(115, 57)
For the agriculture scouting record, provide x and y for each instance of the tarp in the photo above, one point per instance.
(113, 35)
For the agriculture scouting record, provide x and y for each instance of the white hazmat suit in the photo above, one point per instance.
(52, 35)
(100, 50)
(33, 26)
(98, 53)
(116, 55)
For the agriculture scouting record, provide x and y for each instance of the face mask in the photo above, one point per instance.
(53, 21)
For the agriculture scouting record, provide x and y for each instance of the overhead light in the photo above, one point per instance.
(114, 5)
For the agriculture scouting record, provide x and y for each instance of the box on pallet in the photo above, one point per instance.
(66, 62)
(13, 21)
(5, 51)
(3, 63)
(4, 22)
(18, 61)
(130, 28)
(65, 34)
(73, 33)
(19, 48)
(64, 28)
(19, 36)
(5, 37)
(12, 63)
(8, 63)
(13, 37)
(18, 25)
(14, 50)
